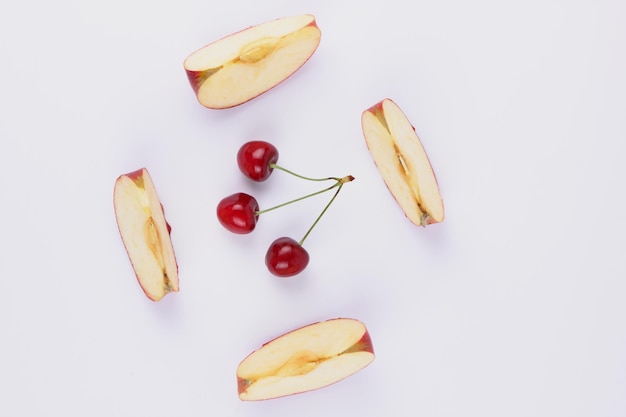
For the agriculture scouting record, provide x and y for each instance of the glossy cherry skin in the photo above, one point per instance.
(238, 213)
(254, 159)
(286, 257)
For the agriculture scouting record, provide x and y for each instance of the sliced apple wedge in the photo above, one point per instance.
(241, 66)
(402, 161)
(145, 233)
(305, 359)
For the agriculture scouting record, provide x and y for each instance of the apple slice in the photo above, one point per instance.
(402, 161)
(145, 233)
(305, 359)
(241, 66)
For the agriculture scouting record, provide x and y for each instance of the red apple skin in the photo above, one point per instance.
(364, 344)
(377, 109)
(196, 78)
(242, 385)
(135, 175)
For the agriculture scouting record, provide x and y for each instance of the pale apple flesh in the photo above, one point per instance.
(145, 233)
(403, 163)
(241, 66)
(305, 359)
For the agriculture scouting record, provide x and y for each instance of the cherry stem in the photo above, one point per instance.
(259, 212)
(274, 166)
(339, 184)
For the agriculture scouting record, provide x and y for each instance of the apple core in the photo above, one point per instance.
(300, 363)
(153, 240)
(258, 49)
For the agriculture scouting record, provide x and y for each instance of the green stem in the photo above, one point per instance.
(274, 166)
(339, 184)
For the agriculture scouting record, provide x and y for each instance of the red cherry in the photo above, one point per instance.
(254, 159)
(286, 257)
(238, 213)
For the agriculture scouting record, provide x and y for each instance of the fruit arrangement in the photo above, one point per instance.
(228, 73)
(240, 212)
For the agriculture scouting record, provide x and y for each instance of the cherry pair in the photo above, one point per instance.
(239, 212)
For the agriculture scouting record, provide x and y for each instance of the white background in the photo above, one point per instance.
(513, 306)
